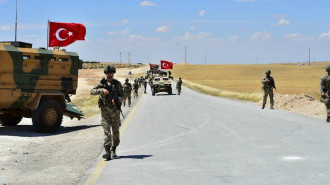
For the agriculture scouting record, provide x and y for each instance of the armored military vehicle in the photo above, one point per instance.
(161, 84)
(36, 83)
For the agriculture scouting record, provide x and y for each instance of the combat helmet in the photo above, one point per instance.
(126, 79)
(109, 68)
(268, 71)
(327, 68)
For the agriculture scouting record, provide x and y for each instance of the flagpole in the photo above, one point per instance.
(47, 34)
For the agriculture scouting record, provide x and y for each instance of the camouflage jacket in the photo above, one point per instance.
(136, 86)
(127, 87)
(98, 90)
(325, 85)
(268, 84)
(179, 83)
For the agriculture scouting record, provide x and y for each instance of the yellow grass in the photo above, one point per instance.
(289, 79)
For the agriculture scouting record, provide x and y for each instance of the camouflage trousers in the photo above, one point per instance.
(136, 93)
(271, 97)
(179, 90)
(145, 89)
(110, 123)
(127, 95)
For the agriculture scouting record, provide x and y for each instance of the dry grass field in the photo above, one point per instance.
(246, 79)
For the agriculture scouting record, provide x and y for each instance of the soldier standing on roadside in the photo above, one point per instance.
(145, 82)
(178, 86)
(109, 112)
(325, 91)
(127, 92)
(268, 85)
(136, 89)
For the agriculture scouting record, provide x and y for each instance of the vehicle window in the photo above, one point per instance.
(52, 59)
(165, 79)
(157, 79)
(63, 59)
(26, 57)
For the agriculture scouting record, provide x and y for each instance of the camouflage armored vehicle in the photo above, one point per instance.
(36, 83)
(161, 84)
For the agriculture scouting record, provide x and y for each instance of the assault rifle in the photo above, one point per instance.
(112, 96)
(272, 83)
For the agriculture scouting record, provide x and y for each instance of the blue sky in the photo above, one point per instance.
(225, 31)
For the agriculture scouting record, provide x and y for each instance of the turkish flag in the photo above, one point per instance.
(63, 34)
(166, 64)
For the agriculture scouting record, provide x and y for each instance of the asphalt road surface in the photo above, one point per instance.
(199, 139)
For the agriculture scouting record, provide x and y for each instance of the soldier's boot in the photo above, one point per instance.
(107, 154)
(113, 152)
(271, 106)
(263, 106)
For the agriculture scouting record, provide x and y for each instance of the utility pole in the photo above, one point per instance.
(185, 54)
(309, 56)
(120, 61)
(129, 58)
(16, 24)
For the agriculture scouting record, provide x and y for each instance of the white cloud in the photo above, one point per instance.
(260, 36)
(201, 13)
(284, 22)
(192, 28)
(125, 21)
(163, 29)
(142, 38)
(147, 3)
(297, 37)
(244, 0)
(5, 28)
(189, 36)
(123, 32)
(325, 35)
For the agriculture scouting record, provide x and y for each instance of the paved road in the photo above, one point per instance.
(199, 139)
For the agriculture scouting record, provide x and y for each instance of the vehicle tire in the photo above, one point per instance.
(170, 91)
(48, 117)
(9, 119)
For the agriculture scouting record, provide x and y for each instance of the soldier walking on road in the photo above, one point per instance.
(127, 92)
(178, 86)
(145, 83)
(325, 91)
(109, 111)
(268, 85)
(136, 89)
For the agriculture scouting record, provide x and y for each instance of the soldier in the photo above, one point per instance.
(325, 91)
(178, 86)
(127, 92)
(268, 85)
(145, 82)
(109, 111)
(136, 89)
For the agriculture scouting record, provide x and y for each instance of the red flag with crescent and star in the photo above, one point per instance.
(166, 64)
(63, 34)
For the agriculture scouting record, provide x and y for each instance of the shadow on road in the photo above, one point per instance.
(134, 156)
(27, 130)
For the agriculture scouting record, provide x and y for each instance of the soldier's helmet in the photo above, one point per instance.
(126, 79)
(268, 71)
(179, 78)
(327, 68)
(109, 69)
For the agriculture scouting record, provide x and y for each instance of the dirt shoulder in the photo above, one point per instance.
(303, 104)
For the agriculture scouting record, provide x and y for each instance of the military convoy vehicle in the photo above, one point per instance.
(161, 84)
(36, 83)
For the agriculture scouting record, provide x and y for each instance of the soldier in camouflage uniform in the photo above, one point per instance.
(109, 112)
(268, 85)
(325, 91)
(145, 83)
(178, 86)
(127, 92)
(136, 89)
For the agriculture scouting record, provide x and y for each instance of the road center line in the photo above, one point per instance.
(101, 164)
